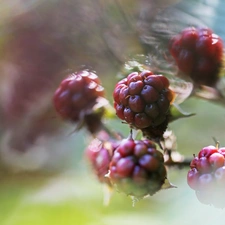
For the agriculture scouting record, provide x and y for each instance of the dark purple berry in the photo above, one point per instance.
(137, 168)
(143, 100)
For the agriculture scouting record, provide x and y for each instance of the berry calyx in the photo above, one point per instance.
(137, 168)
(198, 53)
(142, 100)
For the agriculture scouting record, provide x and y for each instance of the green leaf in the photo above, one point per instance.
(176, 113)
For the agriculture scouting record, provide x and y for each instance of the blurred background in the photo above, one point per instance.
(44, 178)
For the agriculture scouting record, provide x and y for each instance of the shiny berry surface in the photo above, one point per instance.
(143, 99)
(198, 53)
(137, 168)
(76, 94)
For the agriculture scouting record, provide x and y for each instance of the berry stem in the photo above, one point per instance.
(217, 143)
(182, 162)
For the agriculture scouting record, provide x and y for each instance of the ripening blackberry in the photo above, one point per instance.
(143, 99)
(75, 97)
(137, 168)
(198, 53)
(207, 176)
(99, 155)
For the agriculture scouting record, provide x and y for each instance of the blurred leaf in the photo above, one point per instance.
(167, 185)
(208, 93)
(181, 88)
(220, 86)
(176, 113)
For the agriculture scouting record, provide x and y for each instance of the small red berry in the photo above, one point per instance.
(216, 160)
(203, 165)
(193, 178)
(99, 155)
(125, 166)
(137, 168)
(143, 100)
(207, 151)
(198, 54)
(207, 176)
(76, 96)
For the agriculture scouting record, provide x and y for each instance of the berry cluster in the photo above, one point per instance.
(198, 54)
(76, 95)
(137, 168)
(207, 176)
(143, 100)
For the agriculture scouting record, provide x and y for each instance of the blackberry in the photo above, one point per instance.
(143, 99)
(99, 155)
(198, 54)
(207, 176)
(137, 168)
(76, 96)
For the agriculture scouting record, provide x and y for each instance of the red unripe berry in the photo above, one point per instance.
(149, 162)
(207, 176)
(203, 165)
(99, 156)
(216, 160)
(222, 151)
(126, 147)
(192, 178)
(185, 61)
(189, 37)
(198, 53)
(77, 94)
(137, 168)
(207, 151)
(125, 166)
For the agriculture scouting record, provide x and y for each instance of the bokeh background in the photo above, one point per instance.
(44, 178)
